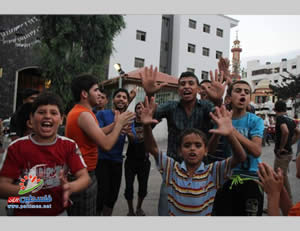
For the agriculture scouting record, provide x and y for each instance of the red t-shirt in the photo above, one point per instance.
(25, 155)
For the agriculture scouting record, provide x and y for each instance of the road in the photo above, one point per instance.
(151, 200)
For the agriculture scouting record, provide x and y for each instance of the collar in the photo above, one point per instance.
(199, 169)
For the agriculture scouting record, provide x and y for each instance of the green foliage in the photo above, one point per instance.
(74, 44)
(288, 89)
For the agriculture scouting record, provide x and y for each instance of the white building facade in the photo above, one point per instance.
(271, 71)
(174, 43)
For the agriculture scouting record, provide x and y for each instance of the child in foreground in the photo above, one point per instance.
(46, 156)
(192, 185)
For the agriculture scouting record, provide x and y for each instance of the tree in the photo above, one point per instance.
(289, 88)
(74, 44)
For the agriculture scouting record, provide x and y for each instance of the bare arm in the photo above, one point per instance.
(82, 181)
(225, 128)
(107, 129)
(298, 166)
(296, 135)
(213, 143)
(147, 120)
(88, 124)
(7, 188)
(253, 146)
(284, 136)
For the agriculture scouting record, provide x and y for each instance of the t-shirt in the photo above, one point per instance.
(178, 120)
(26, 157)
(284, 119)
(105, 118)
(136, 148)
(192, 196)
(87, 146)
(249, 125)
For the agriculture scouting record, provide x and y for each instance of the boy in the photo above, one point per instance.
(191, 185)
(109, 167)
(189, 112)
(137, 164)
(47, 156)
(287, 134)
(82, 126)
(241, 195)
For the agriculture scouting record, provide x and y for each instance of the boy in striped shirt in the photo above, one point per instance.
(192, 185)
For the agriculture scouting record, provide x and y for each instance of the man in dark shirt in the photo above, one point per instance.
(286, 135)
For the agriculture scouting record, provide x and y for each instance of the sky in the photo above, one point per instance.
(267, 37)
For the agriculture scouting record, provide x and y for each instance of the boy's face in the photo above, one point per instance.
(193, 150)
(45, 122)
(202, 90)
(188, 88)
(102, 101)
(138, 111)
(94, 95)
(120, 101)
(240, 96)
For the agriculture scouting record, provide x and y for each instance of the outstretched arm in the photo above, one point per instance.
(225, 128)
(149, 81)
(147, 120)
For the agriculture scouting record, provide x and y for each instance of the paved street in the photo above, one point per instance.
(151, 201)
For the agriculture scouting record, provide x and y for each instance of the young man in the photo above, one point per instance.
(286, 135)
(82, 126)
(191, 185)
(137, 164)
(102, 102)
(202, 91)
(46, 156)
(28, 96)
(241, 195)
(109, 167)
(189, 112)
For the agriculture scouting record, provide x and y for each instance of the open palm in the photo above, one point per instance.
(222, 117)
(148, 111)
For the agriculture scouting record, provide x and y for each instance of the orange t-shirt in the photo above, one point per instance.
(295, 210)
(86, 145)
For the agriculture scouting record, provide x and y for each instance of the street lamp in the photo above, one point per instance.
(118, 68)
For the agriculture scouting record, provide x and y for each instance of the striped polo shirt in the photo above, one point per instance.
(192, 196)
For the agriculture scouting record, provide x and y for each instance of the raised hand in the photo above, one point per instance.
(217, 87)
(148, 111)
(149, 81)
(271, 181)
(124, 118)
(223, 65)
(222, 117)
(66, 188)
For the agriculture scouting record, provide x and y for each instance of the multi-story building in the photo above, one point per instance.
(261, 75)
(174, 43)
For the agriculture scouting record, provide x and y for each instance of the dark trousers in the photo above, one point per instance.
(141, 168)
(109, 176)
(242, 200)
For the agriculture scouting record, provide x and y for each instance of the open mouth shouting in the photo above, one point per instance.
(46, 126)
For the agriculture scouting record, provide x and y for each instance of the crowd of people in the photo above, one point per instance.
(212, 165)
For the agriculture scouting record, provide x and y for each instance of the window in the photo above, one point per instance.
(294, 66)
(141, 35)
(205, 51)
(190, 69)
(204, 75)
(284, 69)
(192, 24)
(191, 48)
(206, 28)
(139, 62)
(219, 54)
(219, 32)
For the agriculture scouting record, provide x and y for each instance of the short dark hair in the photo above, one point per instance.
(121, 90)
(23, 114)
(229, 90)
(189, 131)
(47, 98)
(139, 103)
(29, 92)
(104, 92)
(188, 74)
(280, 106)
(83, 82)
(204, 81)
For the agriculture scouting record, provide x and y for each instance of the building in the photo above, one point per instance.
(261, 75)
(174, 43)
